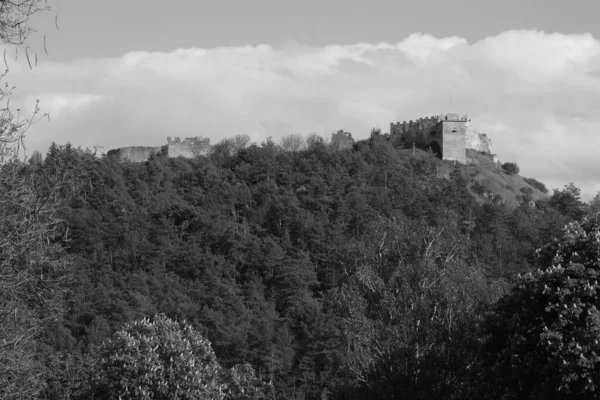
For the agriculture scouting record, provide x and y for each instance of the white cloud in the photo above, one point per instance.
(61, 105)
(535, 94)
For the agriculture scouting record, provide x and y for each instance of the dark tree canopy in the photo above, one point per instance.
(542, 339)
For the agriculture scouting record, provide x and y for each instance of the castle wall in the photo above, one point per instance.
(133, 153)
(188, 149)
(342, 140)
(418, 131)
(478, 141)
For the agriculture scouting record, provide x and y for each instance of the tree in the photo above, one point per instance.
(511, 168)
(158, 359)
(293, 142)
(593, 207)
(14, 19)
(32, 267)
(567, 202)
(409, 311)
(32, 271)
(314, 140)
(36, 158)
(541, 341)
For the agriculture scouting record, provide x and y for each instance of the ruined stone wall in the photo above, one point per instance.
(188, 148)
(133, 153)
(478, 141)
(342, 140)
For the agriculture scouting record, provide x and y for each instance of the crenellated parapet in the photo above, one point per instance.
(453, 117)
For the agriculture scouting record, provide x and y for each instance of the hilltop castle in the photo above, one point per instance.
(448, 135)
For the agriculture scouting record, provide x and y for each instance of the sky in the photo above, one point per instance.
(124, 73)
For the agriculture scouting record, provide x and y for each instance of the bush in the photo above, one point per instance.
(478, 188)
(526, 190)
(536, 184)
(511, 168)
(527, 194)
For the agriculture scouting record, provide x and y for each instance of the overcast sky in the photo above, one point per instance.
(132, 72)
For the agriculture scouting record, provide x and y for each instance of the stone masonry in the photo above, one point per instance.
(187, 148)
(342, 140)
(448, 135)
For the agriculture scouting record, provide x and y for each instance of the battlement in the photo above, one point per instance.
(425, 123)
(453, 117)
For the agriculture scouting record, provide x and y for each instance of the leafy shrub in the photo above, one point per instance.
(536, 184)
(511, 168)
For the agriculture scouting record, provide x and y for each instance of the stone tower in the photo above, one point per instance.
(453, 128)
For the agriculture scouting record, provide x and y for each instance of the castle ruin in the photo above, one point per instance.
(187, 148)
(342, 140)
(447, 135)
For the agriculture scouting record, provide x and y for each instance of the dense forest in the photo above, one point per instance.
(323, 273)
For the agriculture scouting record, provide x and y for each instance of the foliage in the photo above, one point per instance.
(293, 142)
(568, 202)
(158, 359)
(511, 167)
(478, 188)
(32, 270)
(241, 384)
(14, 19)
(541, 340)
(409, 313)
(536, 184)
(593, 207)
(527, 194)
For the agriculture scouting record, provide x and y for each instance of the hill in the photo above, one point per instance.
(283, 259)
(486, 179)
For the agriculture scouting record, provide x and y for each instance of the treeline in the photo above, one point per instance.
(350, 274)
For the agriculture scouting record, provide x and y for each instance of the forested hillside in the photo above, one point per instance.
(350, 274)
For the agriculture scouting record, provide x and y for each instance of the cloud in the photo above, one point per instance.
(62, 105)
(535, 94)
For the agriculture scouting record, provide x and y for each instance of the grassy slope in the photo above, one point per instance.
(483, 170)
